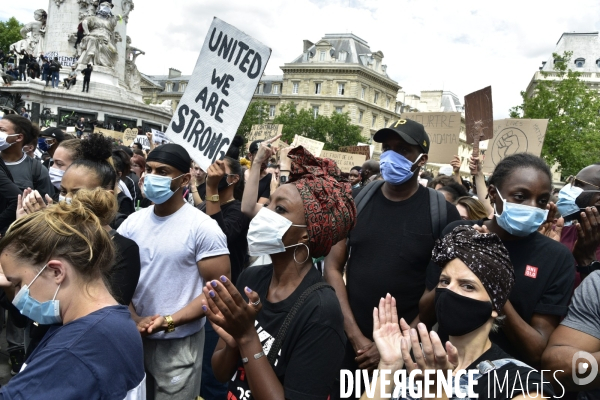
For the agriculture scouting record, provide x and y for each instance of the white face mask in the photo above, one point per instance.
(56, 176)
(265, 235)
(3, 143)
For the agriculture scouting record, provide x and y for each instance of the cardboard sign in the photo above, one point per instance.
(443, 129)
(514, 136)
(364, 150)
(313, 146)
(264, 132)
(344, 161)
(158, 137)
(228, 69)
(478, 110)
(371, 148)
(129, 136)
(107, 132)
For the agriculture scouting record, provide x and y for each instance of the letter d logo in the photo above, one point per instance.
(583, 367)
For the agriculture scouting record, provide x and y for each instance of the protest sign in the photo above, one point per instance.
(129, 136)
(264, 132)
(479, 117)
(371, 148)
(364, 150)
(158, 137)
(513, 136)
(443, 129)
(216, 98)
(313, 146)
(345, 161)
(107, 132)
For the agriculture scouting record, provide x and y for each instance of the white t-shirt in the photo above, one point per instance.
(170, 247)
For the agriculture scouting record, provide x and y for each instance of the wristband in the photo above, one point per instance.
(170, 323)
(256, 357)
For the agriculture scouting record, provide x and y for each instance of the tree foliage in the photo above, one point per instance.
(335, 130)
(573, 111)
(10, 32)
(255, 114)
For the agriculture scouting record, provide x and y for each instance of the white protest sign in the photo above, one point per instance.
(158, 137)
(344, 161)
(371, 148)
(443, 129)
(216, 98)
(313, 146)
(513, 136)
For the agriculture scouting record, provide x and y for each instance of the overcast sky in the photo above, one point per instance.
(461, 46)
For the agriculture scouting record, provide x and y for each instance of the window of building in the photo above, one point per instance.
(386, 122)
(275, 89)
(339, 110)
(315, 111)
(341, 87)
(182, 87)
(376, 97)
(295, 87)
(374, 121)
(377, 66)
(360, 116)
(387, 102)
(598, 62)
(260, 88)
(362, 92)
(168, 87)
(342, 56)
(321, 56)
(318, 88)
(272, 111)
(580, 62)
(398, 106)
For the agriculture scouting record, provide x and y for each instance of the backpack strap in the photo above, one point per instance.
(365, 195)
(36, 173)
(289, 318)
(439, 217)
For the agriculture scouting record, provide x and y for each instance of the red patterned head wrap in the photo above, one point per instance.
(327, 196)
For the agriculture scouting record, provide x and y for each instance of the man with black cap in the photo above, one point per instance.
(397, 224)
(52, 137)
(181, 248)
(264, 185)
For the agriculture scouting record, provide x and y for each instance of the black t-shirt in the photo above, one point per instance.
(544, 277)
(521, 378)
(389, 249)
(202, 191)
(125, 204)
(313, 348)
(264, 187)
(234, 225)
(125, 274)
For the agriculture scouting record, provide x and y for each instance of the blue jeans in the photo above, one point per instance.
(55, 79)
(211, 388)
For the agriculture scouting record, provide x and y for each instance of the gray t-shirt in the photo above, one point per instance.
(28, 174)
(584, 311)
(170, 247)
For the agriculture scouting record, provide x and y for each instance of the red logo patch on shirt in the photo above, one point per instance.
(531, 271)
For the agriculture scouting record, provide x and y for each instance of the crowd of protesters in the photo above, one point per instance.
(132, 272)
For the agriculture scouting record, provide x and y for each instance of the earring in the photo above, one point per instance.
(307, 254)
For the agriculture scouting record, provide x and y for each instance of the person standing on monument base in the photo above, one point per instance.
(87, 74)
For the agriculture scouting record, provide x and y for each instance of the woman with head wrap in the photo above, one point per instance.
(477, 277)
(294, 347)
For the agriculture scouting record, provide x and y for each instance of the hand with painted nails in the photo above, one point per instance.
(225, 308)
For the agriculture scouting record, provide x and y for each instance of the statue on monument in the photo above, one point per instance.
(98, 44)
(33, 35)
(133, 78)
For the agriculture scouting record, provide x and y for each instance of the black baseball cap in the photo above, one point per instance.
(410, 131)
(54, 133)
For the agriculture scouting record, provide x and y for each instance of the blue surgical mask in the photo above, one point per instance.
(395, 168)
(519, 219)
(566, 200)
(158, 188)
(46, 313)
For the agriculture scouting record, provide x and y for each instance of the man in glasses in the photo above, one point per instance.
(52, 137)
(578, 203)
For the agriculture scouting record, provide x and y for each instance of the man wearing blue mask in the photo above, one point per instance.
(391, 244)
(578, 203)
(180, 249)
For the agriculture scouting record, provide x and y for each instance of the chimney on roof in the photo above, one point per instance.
(307, 45)
(174, 73)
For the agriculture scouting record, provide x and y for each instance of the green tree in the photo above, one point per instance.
(255, 114)
(10, 32)
(334, 131)
(572, 110)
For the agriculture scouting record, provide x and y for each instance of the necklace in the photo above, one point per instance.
(228, 201)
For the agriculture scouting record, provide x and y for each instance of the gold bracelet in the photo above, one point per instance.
(170, 323)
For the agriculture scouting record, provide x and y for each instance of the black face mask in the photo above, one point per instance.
(223, 184)
(458, 315)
